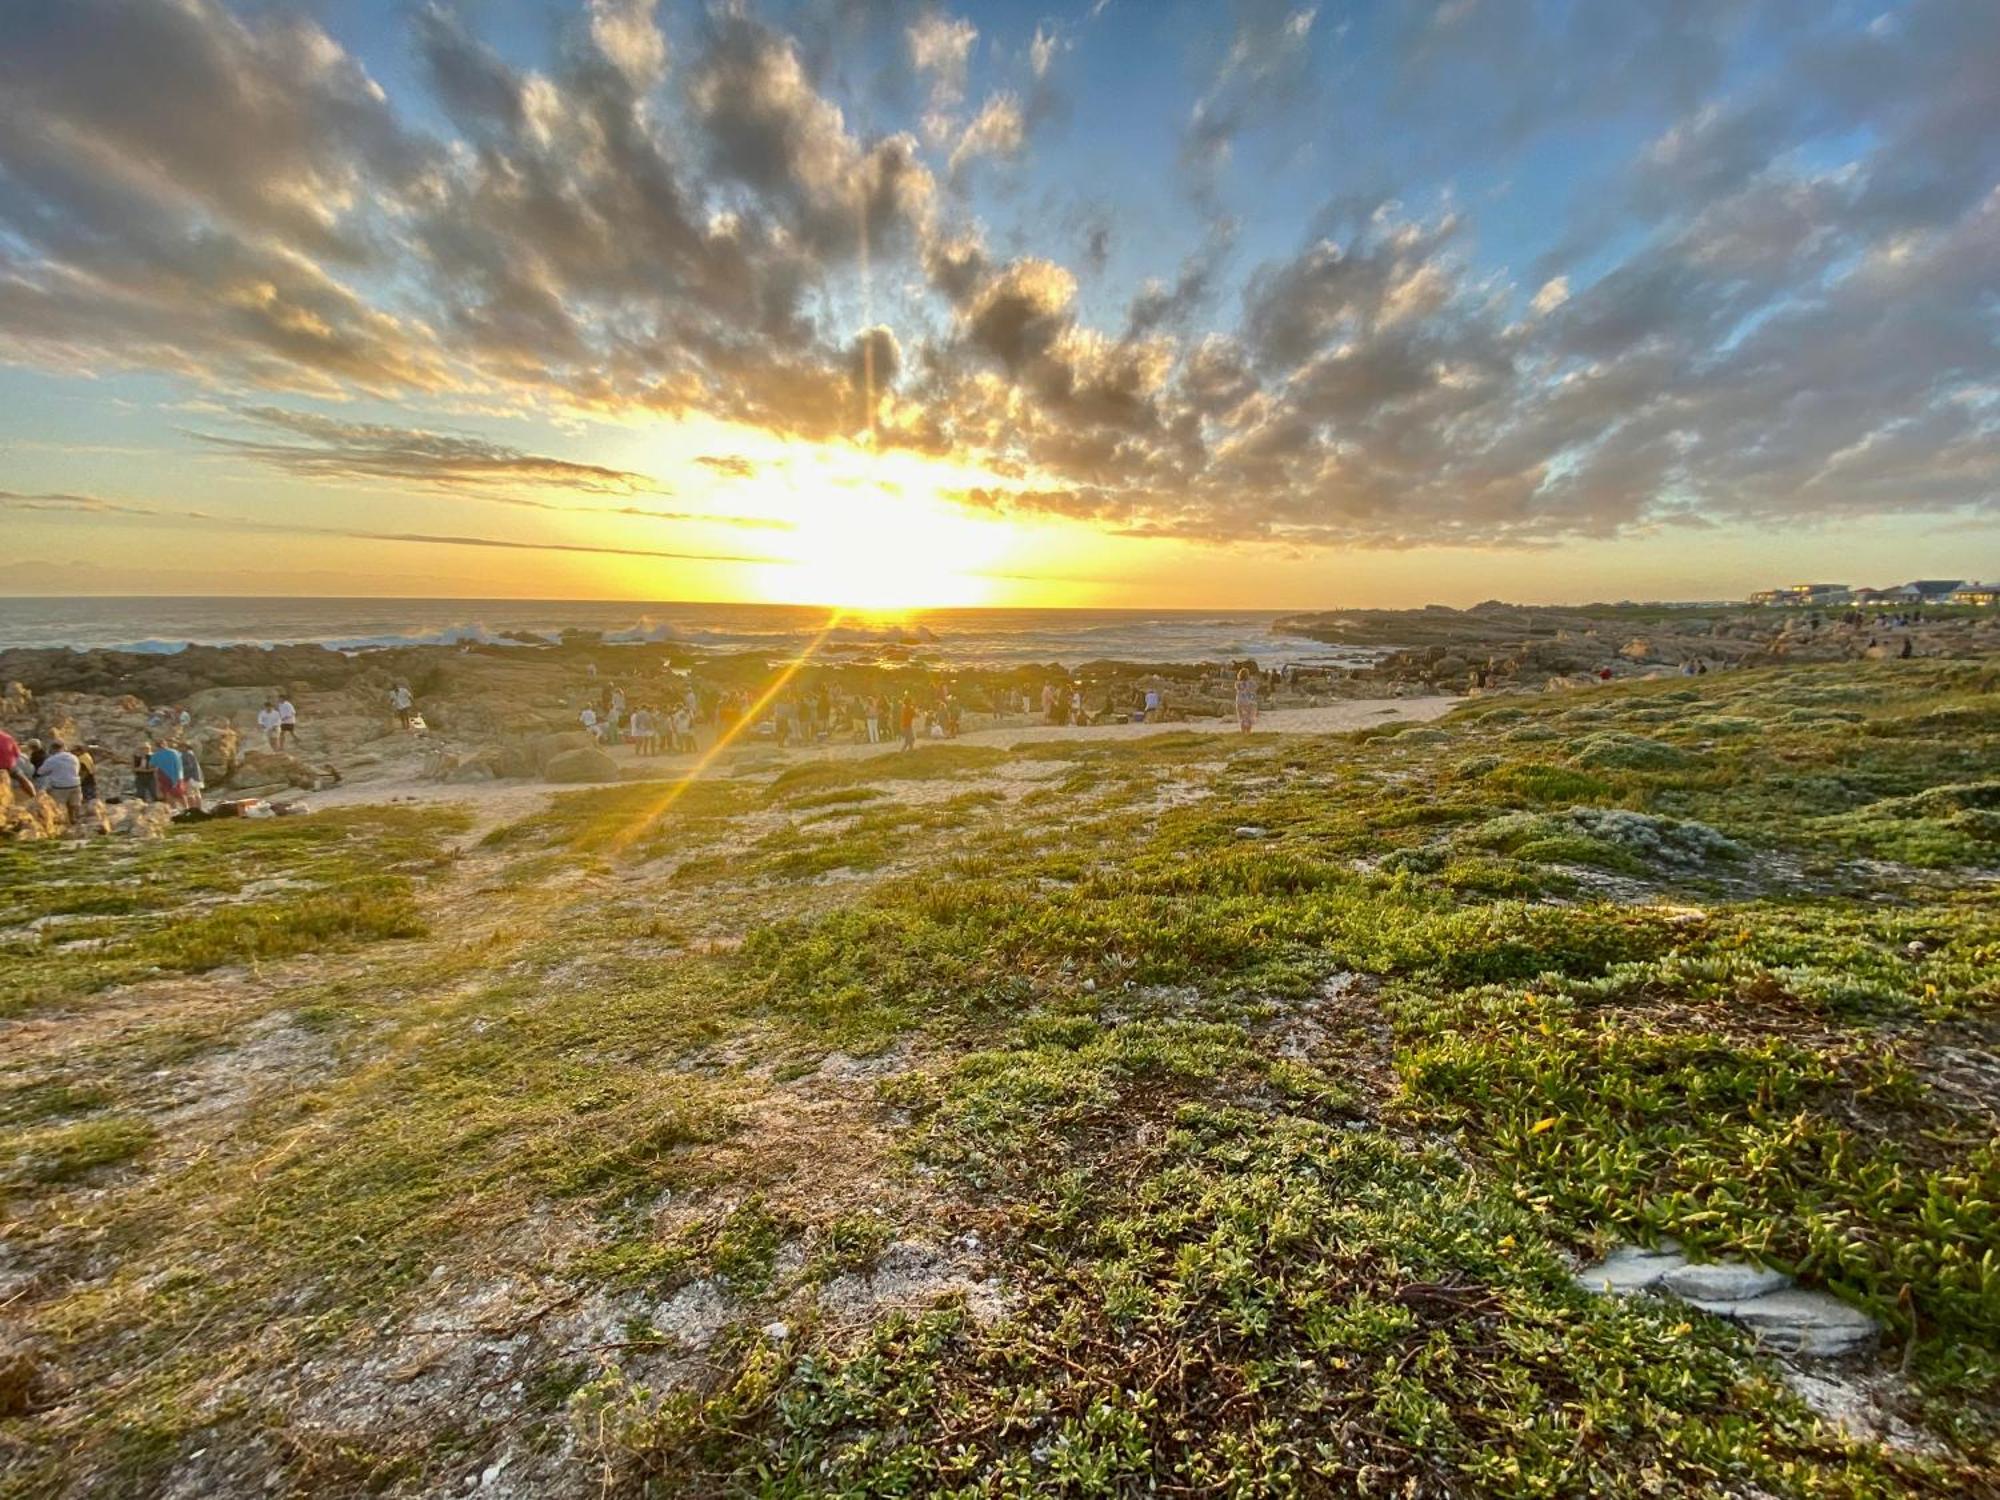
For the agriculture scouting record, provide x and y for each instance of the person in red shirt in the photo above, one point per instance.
(10, 764)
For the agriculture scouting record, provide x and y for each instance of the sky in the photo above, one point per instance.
(1108, 302)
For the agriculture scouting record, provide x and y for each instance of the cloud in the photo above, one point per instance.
(771, 129)
(626, 32)
(998, 130)
(1264, 75)
(472, 468)
(940, 50)
(202, 241)
(1042, 51)
(1771, 303)
(87, 505)
(333, 449)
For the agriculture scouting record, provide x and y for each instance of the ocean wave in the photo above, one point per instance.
(140, 648)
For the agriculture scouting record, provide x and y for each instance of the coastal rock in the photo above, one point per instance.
(583, 764)
(550, 747)
(261, 768)
(26, 817)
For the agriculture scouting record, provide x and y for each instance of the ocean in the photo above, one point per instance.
(949, 637)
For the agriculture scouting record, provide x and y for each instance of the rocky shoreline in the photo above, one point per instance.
(494, 712)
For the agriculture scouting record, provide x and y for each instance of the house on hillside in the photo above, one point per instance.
(1800, 595)
(1929, 590)
(1976, 593)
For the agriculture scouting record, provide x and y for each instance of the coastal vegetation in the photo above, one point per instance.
(1175, 1115)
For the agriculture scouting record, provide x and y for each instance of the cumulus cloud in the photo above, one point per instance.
(1778, 304)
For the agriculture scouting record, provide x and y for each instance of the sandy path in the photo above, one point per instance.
(495, 802)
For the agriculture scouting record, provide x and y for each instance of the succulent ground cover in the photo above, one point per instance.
(1169, 1116)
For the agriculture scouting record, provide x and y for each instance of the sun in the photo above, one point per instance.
(884, 553)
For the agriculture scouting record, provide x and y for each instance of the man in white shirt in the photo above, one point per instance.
(401, 701)
(288, 722)
(61, 779)
(267, 723)
(588, 719)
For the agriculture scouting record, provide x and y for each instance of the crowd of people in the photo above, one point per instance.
(81, 776)
(682, 715)
(165, 768)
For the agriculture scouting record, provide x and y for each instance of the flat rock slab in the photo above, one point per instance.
(1629, 1270)
(1796, 1320)
(1723, 1281)
(1777, 1311)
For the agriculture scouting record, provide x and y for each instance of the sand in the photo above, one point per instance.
(496, 802)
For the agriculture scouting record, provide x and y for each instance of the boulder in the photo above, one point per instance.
(550, 746)
(515, 760)
(278, 768)
(26, 817)
(586, 763)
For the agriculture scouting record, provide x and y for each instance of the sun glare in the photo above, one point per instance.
(870, 531)
(884, 553)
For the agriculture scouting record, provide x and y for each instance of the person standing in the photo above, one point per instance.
(403, 704)
(288, 723)
(908, 720)
(60, 779)
(267, 723)
(1246, 700)
(10, 764)
(166, 763)
(192, 781)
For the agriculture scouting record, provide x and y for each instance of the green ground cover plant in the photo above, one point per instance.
(1194, 1114)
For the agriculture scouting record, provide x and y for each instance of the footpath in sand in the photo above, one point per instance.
(500, 801)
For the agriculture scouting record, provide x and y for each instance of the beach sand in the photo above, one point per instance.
(496, 802)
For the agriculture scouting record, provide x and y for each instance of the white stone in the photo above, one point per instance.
(1629, 1270)
(1723, 1281)
(777, 1332)
(1798, 1321)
